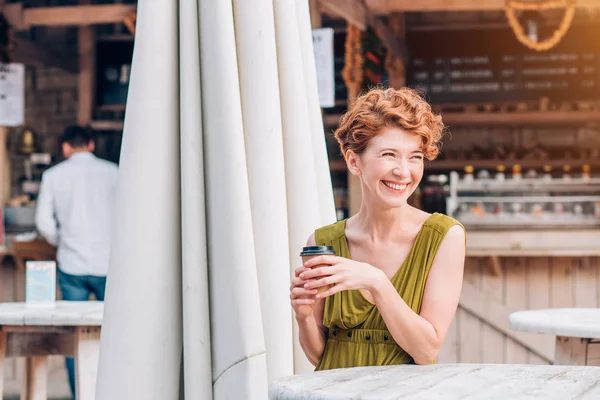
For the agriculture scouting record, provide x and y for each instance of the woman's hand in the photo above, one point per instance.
(343, 273)
(302, 299)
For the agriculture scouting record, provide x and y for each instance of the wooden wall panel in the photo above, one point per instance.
(594, 354)
(538, 292)
(524, 283)
(470, 326)
(561, 294)
(494, 342)
(585, 294)
(516, 298)
(538, 283)
(449, 352)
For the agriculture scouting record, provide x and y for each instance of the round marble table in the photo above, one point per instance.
(69, 328)
(443, 381)
(575, 330)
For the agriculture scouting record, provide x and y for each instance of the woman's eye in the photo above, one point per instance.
(417, 157)
(389, 155)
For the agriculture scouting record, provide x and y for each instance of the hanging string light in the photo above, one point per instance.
(352, 73)
(529, 40)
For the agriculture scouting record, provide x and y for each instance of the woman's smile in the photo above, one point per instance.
(395, 187)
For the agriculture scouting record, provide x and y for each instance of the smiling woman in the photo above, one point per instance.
(397, 274)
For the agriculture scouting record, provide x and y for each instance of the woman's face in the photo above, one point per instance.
(391, 166)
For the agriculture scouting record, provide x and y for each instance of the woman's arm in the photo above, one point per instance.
(311, 331)
(421, 335)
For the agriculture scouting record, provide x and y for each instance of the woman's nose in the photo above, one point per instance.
(401, 168)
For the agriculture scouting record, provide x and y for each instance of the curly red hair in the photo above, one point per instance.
(389, 108)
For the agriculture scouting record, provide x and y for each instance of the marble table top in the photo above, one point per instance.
(443, 381)
(61, 313)
(571, 322)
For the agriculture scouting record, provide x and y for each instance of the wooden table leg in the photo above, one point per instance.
(35, 384)
(87, 354)
(2, 358)
(571, 351)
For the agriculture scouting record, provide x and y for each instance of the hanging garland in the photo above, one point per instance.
(352, 73)
(557, 36)
(374, 54)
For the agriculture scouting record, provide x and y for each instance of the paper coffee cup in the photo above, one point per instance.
(314, 251)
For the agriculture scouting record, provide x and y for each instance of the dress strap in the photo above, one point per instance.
(329, 234)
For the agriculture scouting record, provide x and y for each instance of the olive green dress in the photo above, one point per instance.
(357, 334)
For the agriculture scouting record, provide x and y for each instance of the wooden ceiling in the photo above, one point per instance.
(390, 6)
(440, 14)
(351, 10)
(23, 18)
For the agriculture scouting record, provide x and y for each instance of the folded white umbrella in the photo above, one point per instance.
(223, 176)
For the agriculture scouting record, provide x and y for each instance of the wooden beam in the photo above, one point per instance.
(384, 7)
(494, 313)
(107, 125)
(355, 13)
(23, 18)
(571, 351)
(14, 15)
(496, 266)
(354, 194)
(395, 66)
(27, 344)
(388, 38)
(316, 19)
(352, 11)
(521, 118)
(85, 80)
(29, 53)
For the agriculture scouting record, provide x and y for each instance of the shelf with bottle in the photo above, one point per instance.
(514, 213)
(538, 200)
(521, 118)
(447, 164)
(533, 181)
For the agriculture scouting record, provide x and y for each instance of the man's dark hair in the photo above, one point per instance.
(76, 136)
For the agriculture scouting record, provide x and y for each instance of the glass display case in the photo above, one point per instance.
(541, 202)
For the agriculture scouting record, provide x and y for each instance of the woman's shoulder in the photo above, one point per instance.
(441, 222)
(329, 233)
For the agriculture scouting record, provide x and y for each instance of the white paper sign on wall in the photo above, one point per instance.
(12, 94)
(323, 48)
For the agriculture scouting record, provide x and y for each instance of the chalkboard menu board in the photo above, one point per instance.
(491, 65)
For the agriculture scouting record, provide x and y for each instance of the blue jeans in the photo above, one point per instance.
(79, 288)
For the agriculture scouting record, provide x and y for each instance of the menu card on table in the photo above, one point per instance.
(40, 288)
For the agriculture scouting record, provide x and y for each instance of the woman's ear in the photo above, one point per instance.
(353, 162)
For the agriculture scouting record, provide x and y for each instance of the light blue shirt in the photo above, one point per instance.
(75, 211)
